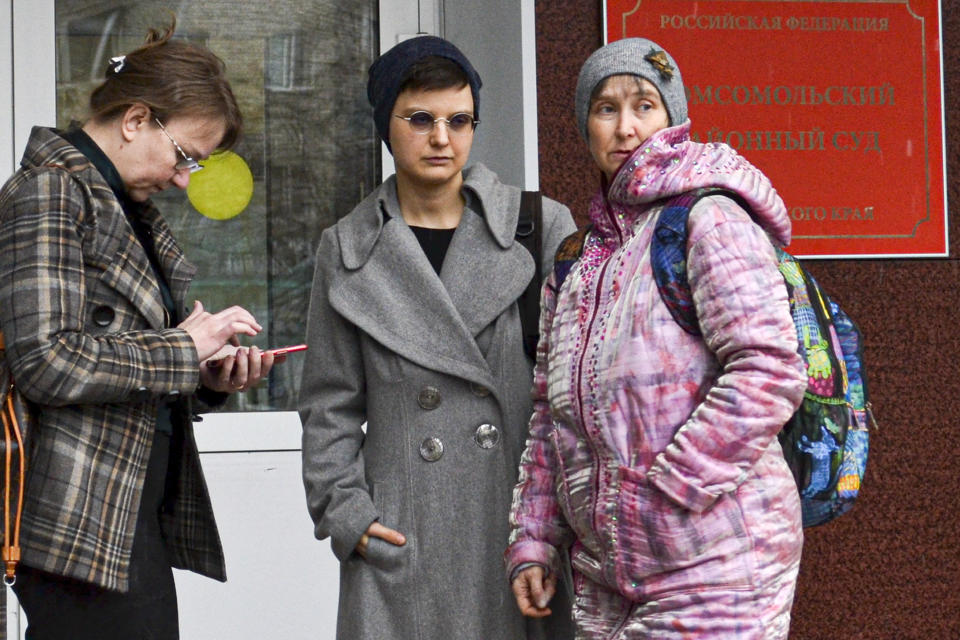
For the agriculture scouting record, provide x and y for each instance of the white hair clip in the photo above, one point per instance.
(116, 63)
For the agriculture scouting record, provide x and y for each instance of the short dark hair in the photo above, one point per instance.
(433, 73)
(172, 78)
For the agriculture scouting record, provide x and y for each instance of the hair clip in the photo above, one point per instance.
(659, 61)
(116, 63)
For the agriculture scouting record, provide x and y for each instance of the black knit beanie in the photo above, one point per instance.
(386, 73)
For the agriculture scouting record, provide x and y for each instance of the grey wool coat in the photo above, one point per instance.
(88, 342)
(435, 367)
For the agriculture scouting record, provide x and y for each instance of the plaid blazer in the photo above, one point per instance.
(90, 344)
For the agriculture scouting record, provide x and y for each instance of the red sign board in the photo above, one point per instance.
(838, 102)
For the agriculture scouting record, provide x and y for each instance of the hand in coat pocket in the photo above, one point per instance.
(382, 546)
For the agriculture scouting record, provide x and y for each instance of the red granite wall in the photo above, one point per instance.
(890, 568)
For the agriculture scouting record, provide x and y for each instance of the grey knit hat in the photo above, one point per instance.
(638, 57)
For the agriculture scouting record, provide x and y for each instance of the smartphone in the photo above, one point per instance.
(282, 351)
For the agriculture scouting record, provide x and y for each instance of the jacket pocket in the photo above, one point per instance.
(380, 553)
(661, 546)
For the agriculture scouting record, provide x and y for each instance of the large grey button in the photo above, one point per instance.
(429, 398)
(142, 394)
(479, 390)
(487, 436)
(431, 449)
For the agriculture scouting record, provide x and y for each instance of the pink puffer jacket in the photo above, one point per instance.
(651, 450)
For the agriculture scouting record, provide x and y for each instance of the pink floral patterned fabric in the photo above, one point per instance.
(653, 452)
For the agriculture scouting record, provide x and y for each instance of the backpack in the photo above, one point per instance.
(826, 441)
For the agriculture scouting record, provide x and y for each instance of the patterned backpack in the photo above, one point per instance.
(825, 442)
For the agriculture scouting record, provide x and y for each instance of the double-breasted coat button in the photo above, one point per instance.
(487, 436)
(479, 390)
(172, 396)
(142, 394)
(103, 316)
(431, 449)
(429, 398)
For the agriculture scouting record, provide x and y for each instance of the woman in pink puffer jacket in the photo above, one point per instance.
(653, 460)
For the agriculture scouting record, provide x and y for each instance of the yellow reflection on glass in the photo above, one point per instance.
(224, 188)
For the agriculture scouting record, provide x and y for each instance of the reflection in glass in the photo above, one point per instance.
(299, 73)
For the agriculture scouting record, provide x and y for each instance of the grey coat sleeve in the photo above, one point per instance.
(332, 409)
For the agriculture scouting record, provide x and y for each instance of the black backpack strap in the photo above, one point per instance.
(530, 235)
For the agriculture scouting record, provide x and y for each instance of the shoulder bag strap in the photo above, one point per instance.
(530, 235)
(14, 473)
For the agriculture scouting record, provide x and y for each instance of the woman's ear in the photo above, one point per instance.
(136, 117)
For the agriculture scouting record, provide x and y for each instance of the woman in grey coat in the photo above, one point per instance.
(416, 394)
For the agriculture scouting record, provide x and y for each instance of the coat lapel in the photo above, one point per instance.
(128, 269)
(389, 290)
(483, 278)
(392, 293)
(178, 271)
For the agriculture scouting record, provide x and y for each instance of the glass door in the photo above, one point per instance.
(309, 150)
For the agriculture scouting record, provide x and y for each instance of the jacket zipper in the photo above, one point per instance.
(593, 314)
(580, 389)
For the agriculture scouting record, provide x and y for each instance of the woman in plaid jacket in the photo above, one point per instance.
(92, 288)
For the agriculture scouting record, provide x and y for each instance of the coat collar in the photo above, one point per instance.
(497, 204)
(117, 250)
(391, 292)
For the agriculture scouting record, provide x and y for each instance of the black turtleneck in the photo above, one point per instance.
(435, 243)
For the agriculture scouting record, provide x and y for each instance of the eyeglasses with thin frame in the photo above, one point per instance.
(422, 122)
(186, 161)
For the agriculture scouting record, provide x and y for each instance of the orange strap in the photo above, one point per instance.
(11, 543)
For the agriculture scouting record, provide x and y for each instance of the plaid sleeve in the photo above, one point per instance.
(48, 221)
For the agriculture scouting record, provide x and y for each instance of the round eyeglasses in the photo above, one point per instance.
(422, 122)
